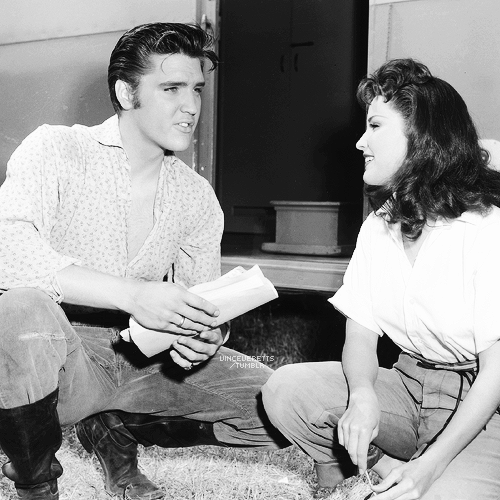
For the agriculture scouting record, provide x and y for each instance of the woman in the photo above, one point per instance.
(426, 272)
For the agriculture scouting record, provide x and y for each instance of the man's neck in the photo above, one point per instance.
(144, 158)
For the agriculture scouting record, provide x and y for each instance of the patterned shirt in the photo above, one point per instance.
(66, 200)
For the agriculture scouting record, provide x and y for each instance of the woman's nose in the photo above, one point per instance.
(361, 144)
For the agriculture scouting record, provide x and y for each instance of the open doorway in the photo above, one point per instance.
(288, 119)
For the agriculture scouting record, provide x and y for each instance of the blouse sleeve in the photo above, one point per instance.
(486, 281)
(353, 299)
(28, 206)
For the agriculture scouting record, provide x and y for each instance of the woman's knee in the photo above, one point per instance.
(292, 390)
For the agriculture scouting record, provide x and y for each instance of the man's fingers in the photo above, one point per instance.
(180, 360)
(195, 319)
(202, 305)
(194, 349)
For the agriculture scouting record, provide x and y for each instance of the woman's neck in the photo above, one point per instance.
(412, 246)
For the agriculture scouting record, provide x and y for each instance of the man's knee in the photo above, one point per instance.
(33, 346)
(21, 300)
(27, 304)
(27, 313)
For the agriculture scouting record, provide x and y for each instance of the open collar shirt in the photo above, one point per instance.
(446, 307)
(66, 200)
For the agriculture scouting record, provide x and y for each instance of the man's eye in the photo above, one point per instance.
(198, 90)
(170, 89)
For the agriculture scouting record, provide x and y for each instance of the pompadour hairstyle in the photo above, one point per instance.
(131, 57)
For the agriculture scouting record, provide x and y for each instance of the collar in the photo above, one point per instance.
(469, 217)
(108, 132)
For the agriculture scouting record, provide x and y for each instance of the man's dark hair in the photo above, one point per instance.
(445, 171)
(131, 57)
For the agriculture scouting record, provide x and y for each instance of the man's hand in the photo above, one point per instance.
(359, 425)
(188, 351)
(153, 304)
(171, 308)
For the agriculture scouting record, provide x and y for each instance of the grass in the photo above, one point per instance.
(294, 328)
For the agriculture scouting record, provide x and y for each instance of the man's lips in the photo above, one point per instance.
(186, 126)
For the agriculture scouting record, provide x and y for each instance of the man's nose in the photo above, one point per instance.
(190, 103)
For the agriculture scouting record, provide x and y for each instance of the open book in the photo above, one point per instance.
(234, 293)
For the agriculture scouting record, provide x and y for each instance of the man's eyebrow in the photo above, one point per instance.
(181, 84)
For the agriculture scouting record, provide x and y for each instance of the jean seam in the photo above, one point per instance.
(225, 397)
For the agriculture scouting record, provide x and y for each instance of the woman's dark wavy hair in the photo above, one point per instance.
(445, 171)
(130, 58)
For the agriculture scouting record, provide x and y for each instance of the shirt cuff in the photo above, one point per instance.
(353, 307)
(226, 331)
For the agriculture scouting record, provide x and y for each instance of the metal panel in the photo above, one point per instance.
(60, 76)
(380, 2)
(458, 39)
(27, 20)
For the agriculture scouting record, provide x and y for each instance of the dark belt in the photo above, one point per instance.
(100, 319)
(460, 366)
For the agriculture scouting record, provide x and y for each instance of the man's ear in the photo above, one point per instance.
(124, 95)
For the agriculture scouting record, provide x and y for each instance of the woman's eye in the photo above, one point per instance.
(373, 125)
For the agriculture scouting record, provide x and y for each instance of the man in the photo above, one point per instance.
(108, 223)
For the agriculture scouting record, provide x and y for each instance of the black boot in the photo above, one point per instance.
(30, 435)
(116, 449)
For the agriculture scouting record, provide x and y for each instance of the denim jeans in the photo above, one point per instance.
(97, 371)
(305, 401)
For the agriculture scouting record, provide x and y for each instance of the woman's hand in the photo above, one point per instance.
(410, 480)
(359, 425)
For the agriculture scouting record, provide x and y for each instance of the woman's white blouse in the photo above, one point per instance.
(447, 306)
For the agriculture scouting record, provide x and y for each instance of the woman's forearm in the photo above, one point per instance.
(359, 424)
(359, 356)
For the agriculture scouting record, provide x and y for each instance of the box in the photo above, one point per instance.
(315, 228)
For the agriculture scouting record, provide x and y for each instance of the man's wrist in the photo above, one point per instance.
(125, 296)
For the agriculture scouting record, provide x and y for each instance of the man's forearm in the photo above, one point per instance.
(87, 287)
(154, 304)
